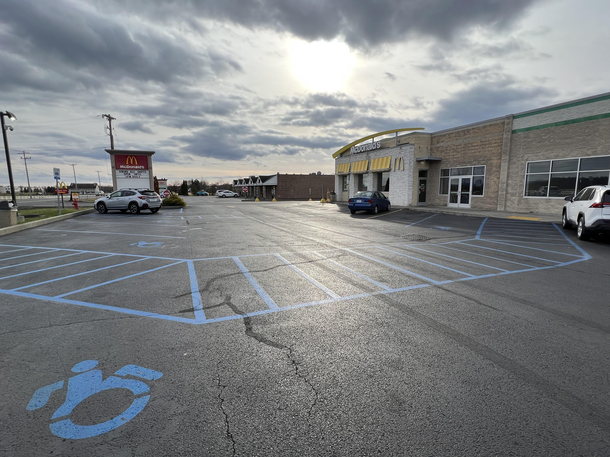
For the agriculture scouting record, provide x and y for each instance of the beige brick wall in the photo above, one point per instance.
(470, 146)
(567, 141)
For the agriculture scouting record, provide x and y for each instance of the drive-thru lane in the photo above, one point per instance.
(234, 328)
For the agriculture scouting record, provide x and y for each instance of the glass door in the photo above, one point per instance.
(460, 189)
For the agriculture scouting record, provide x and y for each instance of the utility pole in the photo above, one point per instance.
(110, 119)
(25, 161)
(74, 171)
(99, 181)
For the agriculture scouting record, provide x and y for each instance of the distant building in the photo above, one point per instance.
(84, 188)
(284, 186)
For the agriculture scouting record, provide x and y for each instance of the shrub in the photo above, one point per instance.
(173, 200)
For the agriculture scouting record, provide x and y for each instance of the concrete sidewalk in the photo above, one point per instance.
(485, 213)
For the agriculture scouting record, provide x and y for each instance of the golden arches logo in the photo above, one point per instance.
(62, 185)
(131, 160)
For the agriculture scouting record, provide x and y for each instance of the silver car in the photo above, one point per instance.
(132, 200)
(589, 210)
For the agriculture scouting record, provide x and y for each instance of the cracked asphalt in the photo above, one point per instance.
(295, 328)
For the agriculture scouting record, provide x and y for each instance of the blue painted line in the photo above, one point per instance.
(360, 275)
(520, 229)
(182, 218)
(455, 258)
(98, 306)
(487, 256)
(197, 303)
(425, 261)
(41, 260)
(532, 248)
(509, 252)
(199, 217)
(266, 298)
(181, 209)
(582, 251)
(80, 251)
(53, 268)
(157, 224)
(29, 255)
(307, 277)
(394, 267)
(527, 237)
(537, 243)
(106, 233)
(78, 274)
(14, 250)
(118, 279)
(424, 219)
(478, 235)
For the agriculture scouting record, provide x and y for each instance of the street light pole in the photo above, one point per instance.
(25, 160)
(74, 171)
(11, 117)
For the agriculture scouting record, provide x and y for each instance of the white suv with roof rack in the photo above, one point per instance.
(589, 210)
(129, 199)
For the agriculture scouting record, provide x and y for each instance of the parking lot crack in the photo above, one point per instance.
(221, 400)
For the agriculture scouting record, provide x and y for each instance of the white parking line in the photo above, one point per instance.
(107, 233)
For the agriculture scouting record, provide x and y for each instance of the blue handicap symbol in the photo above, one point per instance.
(86, 384)
(146, 244)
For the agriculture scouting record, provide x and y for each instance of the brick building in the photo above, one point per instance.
(285, 186)
(522, 162)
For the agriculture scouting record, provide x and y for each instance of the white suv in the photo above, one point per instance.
(589, 210)
(132, 200)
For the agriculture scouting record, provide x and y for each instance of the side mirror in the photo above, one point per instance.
(569, 198)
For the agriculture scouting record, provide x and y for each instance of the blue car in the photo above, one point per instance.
(373, 201)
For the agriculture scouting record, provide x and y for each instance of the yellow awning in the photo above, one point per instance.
(360, 167)
(381, 163)
(343, 167)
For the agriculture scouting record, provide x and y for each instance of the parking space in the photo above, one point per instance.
(275, 281)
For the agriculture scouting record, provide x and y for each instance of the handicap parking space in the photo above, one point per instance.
(205, 290)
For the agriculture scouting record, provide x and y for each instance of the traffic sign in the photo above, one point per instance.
(56, 174)
(166, 193)
(245, 189)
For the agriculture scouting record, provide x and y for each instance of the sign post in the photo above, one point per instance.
(57, 178)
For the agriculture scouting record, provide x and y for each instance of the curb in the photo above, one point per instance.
(50, 220)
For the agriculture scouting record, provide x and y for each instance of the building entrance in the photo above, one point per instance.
(460, 190)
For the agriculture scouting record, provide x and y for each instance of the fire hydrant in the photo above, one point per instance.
(75, 204)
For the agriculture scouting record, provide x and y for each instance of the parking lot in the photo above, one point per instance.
(281, 328)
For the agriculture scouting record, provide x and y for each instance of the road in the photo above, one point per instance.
(237, 328)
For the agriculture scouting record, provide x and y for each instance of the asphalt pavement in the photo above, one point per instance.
(294, 328)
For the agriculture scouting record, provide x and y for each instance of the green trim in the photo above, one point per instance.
(567, 105)
(557, 124)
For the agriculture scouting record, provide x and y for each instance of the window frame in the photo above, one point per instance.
(448, 177)
(550, 174)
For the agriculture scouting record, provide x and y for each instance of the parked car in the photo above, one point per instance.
(132, 200)
(226, 193)
(202, 193)
(589, 211)
(374, 201)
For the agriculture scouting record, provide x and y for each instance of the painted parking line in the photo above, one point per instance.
(106, 233)
(424, 219)
(492, 255)
(40, 260)
(63, 265)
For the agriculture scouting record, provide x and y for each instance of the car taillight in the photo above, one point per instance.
(597, 205)
(369, 201)
(351, 200)
(142, 198)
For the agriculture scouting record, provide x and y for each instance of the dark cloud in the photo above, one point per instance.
(390, 76)
(64, 43)
(363, 23)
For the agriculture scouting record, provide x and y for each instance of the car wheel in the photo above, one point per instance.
(353, 211)
(389, 207)
(134, 208)
(154, 210)
(376, 210)
(581, 230)
(101, 208)
(565, 223)
(235, 195)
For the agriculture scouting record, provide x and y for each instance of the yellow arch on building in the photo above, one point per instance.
(354, 143)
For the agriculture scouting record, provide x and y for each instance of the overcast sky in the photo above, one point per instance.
(222, 89)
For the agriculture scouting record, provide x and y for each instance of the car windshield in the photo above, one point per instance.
(363, 195)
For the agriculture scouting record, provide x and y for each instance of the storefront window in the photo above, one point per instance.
(566, 177)
(345, 185)
(360, 182)
(478, 179)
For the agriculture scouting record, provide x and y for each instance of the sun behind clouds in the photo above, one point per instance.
(322, 66)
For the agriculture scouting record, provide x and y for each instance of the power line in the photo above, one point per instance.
(109, 118)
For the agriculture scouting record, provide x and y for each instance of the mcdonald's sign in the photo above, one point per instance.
(131, 162)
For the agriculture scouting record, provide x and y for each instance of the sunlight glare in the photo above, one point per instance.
(322, 66)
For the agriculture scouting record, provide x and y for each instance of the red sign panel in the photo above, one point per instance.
(131, 162)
